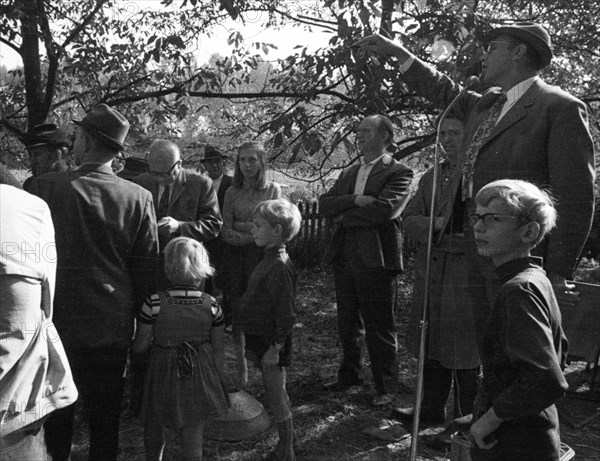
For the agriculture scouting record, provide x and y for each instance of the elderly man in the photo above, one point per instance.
(48, 150)
(521, 129)
(451, 343)
(186, 202)
(107, 247)
(366, 250)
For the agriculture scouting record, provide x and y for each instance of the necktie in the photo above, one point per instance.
(163, 204)
(479, 137)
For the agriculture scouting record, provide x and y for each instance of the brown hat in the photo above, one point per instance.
(531, 33)
(211, 152)
(47, 134)
(106, 124)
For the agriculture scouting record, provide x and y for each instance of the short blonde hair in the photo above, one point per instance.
(282, 212)
(529, 202)
(187, 262)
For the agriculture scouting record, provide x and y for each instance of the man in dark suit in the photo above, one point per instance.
(186, 202)
(107, 248)
(214, 165)
(537, 133)
(366, 250)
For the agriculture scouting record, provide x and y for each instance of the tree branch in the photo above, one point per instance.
(75, 32)
(10, 44)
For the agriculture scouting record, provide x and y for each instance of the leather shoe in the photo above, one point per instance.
(406, 415)
(340, 386)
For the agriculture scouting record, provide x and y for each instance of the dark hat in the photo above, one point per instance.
(105, 124)
(531, 33)
(211, 152)
(134, 167)
(47, 134)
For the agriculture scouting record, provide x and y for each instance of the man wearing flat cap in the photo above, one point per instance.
(107, 247)
(48, 149)
(520, 128)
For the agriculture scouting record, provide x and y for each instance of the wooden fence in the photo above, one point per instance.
(308, 246)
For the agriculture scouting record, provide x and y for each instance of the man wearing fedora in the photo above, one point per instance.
(214, 165)
(107, 247)
(520, 128)
(48, 148)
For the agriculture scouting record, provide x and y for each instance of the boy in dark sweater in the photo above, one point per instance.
(268, 313)
(524, 345)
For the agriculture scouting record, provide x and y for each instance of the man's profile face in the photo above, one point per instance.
(451, 137)
(497, 60)
(214, 167)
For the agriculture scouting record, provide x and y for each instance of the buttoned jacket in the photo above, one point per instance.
(544, 138)
(373, 233)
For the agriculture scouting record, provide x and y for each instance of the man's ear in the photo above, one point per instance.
(530, 232)
(278, 229)
(520, 50)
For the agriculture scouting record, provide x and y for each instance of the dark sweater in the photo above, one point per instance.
(268, 306)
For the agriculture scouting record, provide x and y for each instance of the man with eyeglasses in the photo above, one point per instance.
(521, 128)
(186, 202)
(366, 251)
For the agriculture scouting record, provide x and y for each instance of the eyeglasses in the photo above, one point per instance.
(167, 173)
(489, 219)
(489, 47)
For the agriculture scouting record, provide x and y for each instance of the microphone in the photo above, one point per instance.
(471, 81)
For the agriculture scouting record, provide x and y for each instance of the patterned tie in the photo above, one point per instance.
(479, 137)
(163, 204)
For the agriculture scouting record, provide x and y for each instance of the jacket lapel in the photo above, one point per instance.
(516, 112)
(377, 170)
(178, 187)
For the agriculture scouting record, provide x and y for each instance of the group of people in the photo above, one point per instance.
(140, 258)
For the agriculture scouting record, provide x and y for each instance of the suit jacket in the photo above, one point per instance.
(545, 139)
(193, 202)
(373, 233)
(226, 182)
(107, 250)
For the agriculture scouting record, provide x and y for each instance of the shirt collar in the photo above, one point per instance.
(511, 268)
(373, 162)
(517, 91)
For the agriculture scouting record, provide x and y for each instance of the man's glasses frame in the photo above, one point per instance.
(490, 219)
(167, 173)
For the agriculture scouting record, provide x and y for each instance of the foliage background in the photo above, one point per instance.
(304, 107)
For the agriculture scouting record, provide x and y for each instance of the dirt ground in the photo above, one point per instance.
(332, 426)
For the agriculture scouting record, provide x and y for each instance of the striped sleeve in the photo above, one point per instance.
(150, 309)
(218, 317)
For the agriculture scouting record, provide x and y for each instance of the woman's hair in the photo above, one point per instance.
(258, 148)
(282, 212)
(528, 202)
(187, 262)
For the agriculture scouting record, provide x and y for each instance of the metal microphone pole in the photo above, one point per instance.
(424, 317)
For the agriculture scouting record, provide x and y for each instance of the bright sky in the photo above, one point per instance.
(285, 39)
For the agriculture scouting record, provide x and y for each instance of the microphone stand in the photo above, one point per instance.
(424, 324)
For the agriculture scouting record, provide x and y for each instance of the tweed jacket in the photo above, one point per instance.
(193, 202)
(451, 333)
(544, 138)
(374, 232)
(107, 250)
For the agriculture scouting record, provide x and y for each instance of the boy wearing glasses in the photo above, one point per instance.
(524, 347)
